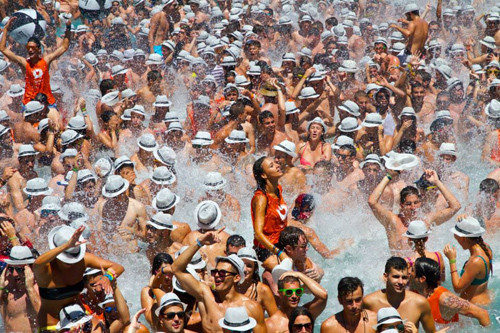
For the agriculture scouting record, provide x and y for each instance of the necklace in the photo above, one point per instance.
(364, 317)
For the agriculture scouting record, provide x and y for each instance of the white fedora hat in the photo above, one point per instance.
(350, 107)
(317, 120)
(177, 285)
(20, 255)
(307, 93)
(111, 98)
(287, 147)
(73, 211)
(196, 262)
(84, 176)
(214, 181)
(105, 165)
(283, 267)
(468, 227)
(77, 123)
(165, 155)
(61, 235)
(202, 138)
(167, 300)
(236, 319)
(417, 229)
(248, 253)
(372, 120)
(237, 136)
(69, 136)
(161, 221)
(15, 90)
(115, 185)
(492, 109)
(163, 176)
(26, 150)
(32, 108)
(236, 261)
(207, 214)
(447, 148)
(387, 316)
(171, 116)
(147, 142)
(165, 200)
(291, 108)
(400, 162)
(71, 316)
(37, 186)
(372, 158)
(162, 102)
(348, 66)
(349, 124)
(118, 70)
(123, 161)
(342, 140)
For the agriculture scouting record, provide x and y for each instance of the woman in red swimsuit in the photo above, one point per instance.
(315, 149)
(269, 211)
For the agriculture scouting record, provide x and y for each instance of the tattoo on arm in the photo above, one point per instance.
(457, 303)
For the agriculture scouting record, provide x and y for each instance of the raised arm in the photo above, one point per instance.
(383, 215)
(453, 205)
(64, 46)
(318, 304)
(471, 269)
(94, 261)
(3, 46)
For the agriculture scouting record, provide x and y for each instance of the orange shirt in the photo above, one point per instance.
(495, 151)
(276, 216)
(434, 302)
(37, 81)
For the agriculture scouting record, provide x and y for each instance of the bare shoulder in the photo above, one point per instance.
(370, 301)
(414, 298)
(331, 324)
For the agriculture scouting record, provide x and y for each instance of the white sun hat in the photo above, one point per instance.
(350, 107)
(165, 200)
(285, 266)
(417, 229)
(147, 142)
(236, 319)
(401, 162)
(237, 136)
(372, 158)
(165, 155)
(214, 181)
(73, 211)
(372, 120)
(61, 235)
(319, 121)
(236, 261)
(447, 148)
(207, 214)
(20, 255)
(349, 124)
(167, 300)
(387, 315)
(115, 185)
(162, 102)
(37, 186)
(161, 221)
(202, 138)
(468, 227)
(287, 147)
(71, 316)
(163, 176)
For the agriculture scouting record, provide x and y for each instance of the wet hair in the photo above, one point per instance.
(347, 285)
(258, 170)
(426, 76)
(158, 260)
(106, 85)
(154, 75)
(360, 94)
(236, 241)
(443, 93)
(106, 116)
(327, 165)
(299, 311)
(264, 115)
(332, 21)
(408, 190)
(350, 148)
(407, 146)
(489, 186)
(396, 263)
(36, 41)
(430, 270)
(290, 236)
(42, 98)
(287, 279)
(314, 32)
(416, 84)
(479, 241)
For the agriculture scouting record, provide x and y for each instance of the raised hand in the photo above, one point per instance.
(211, 237)
(74, 241)
(450, 252)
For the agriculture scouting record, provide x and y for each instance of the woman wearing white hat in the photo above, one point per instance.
(59, 272)
(472, 282)
(314, 149)
(109, 134)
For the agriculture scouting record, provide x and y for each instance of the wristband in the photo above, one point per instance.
(13, 237)
(453, 261)
(113, 276)
(454, 271)
(279, 252)
(198, 243)
(110, 278)
(389, 176)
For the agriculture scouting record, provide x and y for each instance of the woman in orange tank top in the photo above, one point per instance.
(36, 66)
(269, 211)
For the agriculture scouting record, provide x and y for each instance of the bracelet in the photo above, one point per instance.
(389, 176)
(454, 271)
(110, 278)
(198, 243)
(13, 237)
(453, 261)
(279, 252)
(113, 276)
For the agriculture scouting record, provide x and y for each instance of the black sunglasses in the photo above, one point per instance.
(19, 270)
(222, 273)
(299, 327)
(171, 315)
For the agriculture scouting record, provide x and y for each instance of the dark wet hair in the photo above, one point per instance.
(290, 236)
(397, 263)
(348, 285)
(106, 85)
(408, 190)
(327, 165)
(430, 269)
(287, 279)
(332, 21)
(350, 148)
(258, 170)
(264, 115)
(35, 40)
(106, 116)
(158, 260)
(489, 186)
(299, 311)
(236, 241)
(154, 75)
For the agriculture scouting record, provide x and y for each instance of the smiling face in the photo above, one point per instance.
(172, 319)
(396, 281)
(293, 301)
(298, 252)
(33, 50)
(225, 277)
(410, 205)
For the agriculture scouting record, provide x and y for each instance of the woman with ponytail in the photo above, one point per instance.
(472, 282)
(269, 211)
(418, 234)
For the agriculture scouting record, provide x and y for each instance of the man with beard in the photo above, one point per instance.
(410, 305)
(268, 135)
(228, 272)
(373, 172)
(415, 32)
(20, 301)
(353, 318)
(445, 306)
(291, 287)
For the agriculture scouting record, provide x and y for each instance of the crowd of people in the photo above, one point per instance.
(206, 137)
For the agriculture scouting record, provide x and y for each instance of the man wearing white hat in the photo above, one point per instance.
(18, 292)
(144, 159)
(416, 31)
(228, 272)
(293, 179)
(215, 190)
(450, 175)
(120, 212)
(26, 156)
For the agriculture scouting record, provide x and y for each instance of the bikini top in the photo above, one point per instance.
(57, 294)
(477, 282)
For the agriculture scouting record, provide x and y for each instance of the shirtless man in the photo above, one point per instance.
(353, 318)
(293, 180)
(291, 286)
(410, 305)
(120, 213)
(159, 27)
(410, 209)
(20, 301)
(450, 176)
(8, 149)
(417, 29)
(215, 191)
(147, 95)
(17, 182)
(347, 171)
(213, 303)
(268, 136)
(208, 216)
(158, 230)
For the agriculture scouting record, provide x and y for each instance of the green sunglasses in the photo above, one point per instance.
(289, 292)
